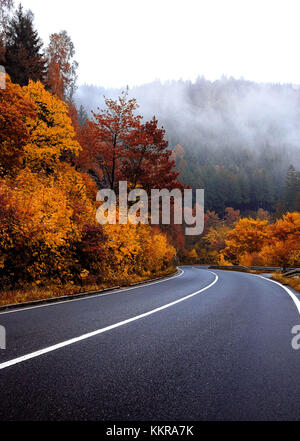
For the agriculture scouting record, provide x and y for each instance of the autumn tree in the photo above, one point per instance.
(148, 162)
(209, 245)
(15, 111)
(8, 211)
(88, 159)
(40, 231)
(61, 69)
(258, 242)
(283, 245)
(130, 150)
(52, 136)
(134, 250)
(90, 251)
(114, 129)
(36, 231)
(24, 60)
(248, 236)
(216, 237)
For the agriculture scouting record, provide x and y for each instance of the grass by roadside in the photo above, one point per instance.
(294, 282)
(32, 293)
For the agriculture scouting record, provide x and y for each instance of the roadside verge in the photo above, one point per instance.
(71, 297)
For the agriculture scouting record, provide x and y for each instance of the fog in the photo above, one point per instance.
(227, 114)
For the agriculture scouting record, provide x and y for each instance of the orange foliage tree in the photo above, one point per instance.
(61, 72)
(283, 246)
(113, 130)
(15, 110)
(127, 149)
(258, 242)
(247, 237)
(134, 250)
(52, 136)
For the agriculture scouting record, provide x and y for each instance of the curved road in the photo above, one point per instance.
(200, 346)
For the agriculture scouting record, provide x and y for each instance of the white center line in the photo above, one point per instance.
(101, 331)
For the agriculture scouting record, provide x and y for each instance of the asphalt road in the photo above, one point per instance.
(199, 346)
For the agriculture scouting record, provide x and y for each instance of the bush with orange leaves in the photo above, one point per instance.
(258, 242)
(283, 246)
(134, 250)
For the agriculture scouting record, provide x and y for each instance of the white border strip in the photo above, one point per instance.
(92, 296)
(101, 331)
(290, 293)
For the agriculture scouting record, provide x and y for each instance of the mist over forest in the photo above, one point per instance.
(234, 138)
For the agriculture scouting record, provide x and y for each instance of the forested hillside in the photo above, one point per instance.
(234, 138)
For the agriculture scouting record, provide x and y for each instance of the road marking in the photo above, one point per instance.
(101, 331)
(290, 293)
(60, 302)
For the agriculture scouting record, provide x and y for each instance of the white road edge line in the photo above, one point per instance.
(60, 302)
(290, 293)
(101, 331)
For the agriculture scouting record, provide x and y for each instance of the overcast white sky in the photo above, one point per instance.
(121, 42)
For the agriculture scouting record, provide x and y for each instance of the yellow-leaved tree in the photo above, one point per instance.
(283, 246)
(247, 237)
(15, 111)
(134, 250)
(52, 136)
(258, 242)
